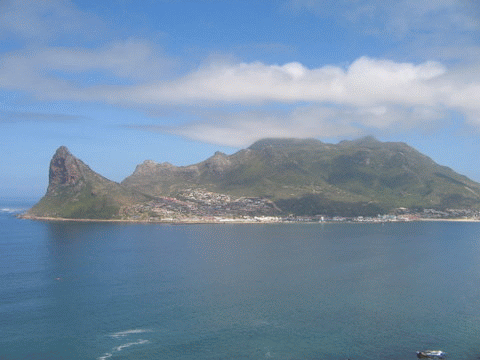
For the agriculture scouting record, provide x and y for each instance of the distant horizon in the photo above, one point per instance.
(122, 82)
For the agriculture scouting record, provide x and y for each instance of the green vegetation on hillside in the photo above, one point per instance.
(78, 205)
(302, 174)
(303, 177)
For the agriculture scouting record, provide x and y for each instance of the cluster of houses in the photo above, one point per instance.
(200, 205)
(432, 214)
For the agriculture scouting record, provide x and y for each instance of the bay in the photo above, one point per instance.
(72, 290)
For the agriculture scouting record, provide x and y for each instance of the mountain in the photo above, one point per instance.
(289, 176)
(76, 191)
(306, 176)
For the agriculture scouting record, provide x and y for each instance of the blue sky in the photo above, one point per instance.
(120, 82)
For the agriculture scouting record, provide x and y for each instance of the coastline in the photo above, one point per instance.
(195, 221)
(137, 221)
(452, 220)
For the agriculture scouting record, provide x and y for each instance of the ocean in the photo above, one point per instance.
(72, 290)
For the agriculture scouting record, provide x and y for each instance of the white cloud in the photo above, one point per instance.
(130, 59)
(241, 129)
(445, 30)
(244, 128)
(58, 73)
(45, 20)
(37, 117)
(370, 95)
(401, 18)
(365, 82)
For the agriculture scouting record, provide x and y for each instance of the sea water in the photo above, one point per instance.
(72, 290)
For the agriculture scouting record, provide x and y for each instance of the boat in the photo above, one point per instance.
(431, 354)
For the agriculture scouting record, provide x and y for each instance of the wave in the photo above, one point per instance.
(122, 334)
(128, 332)
(105, 356)
(121, 347)
(139, 342)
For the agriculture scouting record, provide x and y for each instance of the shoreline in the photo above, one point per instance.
(235, 221)
(451, 220)
(132, 221)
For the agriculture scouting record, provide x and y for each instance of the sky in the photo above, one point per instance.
(120, 82)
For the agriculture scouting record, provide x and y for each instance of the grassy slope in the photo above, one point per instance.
(84, 204)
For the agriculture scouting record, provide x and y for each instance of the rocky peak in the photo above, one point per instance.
(65, 169)
(149, 163)
(285, 143)
(368, 141)
(150, 167)
(218, 163)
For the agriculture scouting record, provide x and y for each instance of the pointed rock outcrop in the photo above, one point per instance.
(76, 191)
(65, 170)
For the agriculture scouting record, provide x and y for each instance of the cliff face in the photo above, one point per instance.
(65, 170)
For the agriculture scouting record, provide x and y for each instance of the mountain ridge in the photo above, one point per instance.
(299, 176)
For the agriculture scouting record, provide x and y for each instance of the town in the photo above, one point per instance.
(202, 206)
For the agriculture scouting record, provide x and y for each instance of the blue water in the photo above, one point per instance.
(294, 291)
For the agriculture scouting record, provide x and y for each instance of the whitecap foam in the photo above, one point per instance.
(139, 342)
(105, 356)
(122, 334)
(121, 347)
